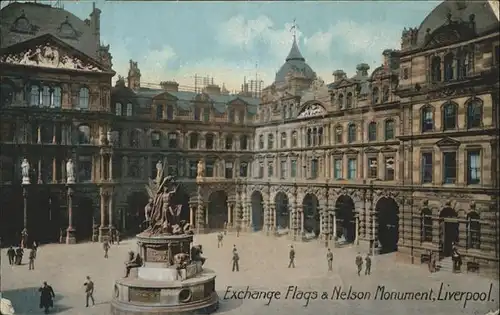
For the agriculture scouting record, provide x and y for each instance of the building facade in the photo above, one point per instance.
(399, 158)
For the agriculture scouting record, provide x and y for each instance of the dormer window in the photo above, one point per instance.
(436, 69)
(230, 117)
(385, 94)
(66, 30)
(129, 110)
(340, 101)
(118, 109)
(23, 25)
(348, 100)
(375, 96)
(449, 69)
(197, 113)
(170, 112)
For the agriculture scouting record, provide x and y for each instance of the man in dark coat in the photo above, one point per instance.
(291, 264)
(32, 256)
(19, 255)
(11, 253)
(46, 297)
(359, 263)
(106, 247)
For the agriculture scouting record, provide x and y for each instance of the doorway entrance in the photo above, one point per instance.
(217, 210)
(311, 214)
(387, 211)
(449, 230)
(346, 225)
(282, 210)
(257, 211)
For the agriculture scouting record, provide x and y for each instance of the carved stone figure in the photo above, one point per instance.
(196, 252)
(134, 261)
(70, 172)
(25, 171)
(201, 168)
(159, 169)
(147, 210)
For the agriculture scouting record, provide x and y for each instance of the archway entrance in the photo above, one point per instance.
(11, 207)
(217, 210)
(311, 214)
(257, 211)
(387, 211)
(282, 211)
(181, 197)
(448, 230)
(346, 225)
(45, 218)
(83, 217)
(134, 214)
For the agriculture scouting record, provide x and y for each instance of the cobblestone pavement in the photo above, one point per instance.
(263, 266)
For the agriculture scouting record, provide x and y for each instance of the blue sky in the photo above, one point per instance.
(176, 40)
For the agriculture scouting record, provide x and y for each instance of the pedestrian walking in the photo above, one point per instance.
(220, 237)
(359, 263)
(31, 259)
(236, 259)
(89, 291)
(106, 247)
(234, 248)
(238, 228)
(11, 253)
(291, 264)
(19, 255)
(117, 237)
(46, 297)
(368, 265)
(35, 247)
(225, 228)
(329, 259)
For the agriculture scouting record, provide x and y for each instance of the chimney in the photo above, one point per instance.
(390, 59)
(338, 75)
(95, 24)
(170, 86)
(212, 89)
(362, 69)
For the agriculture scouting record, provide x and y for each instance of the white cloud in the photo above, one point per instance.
(320, 42)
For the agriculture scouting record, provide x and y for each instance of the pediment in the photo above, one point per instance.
(388, 149)
(49, 52)
(351, 152)
(371, 150)
(344, 83)
(336, 152)
(312, 110)
(448, 142)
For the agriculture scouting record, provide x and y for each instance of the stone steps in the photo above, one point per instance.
(445, 264)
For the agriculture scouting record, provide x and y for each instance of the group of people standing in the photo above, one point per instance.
(16, 255)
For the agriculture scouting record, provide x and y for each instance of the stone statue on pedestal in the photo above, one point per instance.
(70, 172)
(159, 170)
(201, 169)
(25, 172)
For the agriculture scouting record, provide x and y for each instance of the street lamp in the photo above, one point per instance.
(372, 211)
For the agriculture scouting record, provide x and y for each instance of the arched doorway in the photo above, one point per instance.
(387, 211)
(311, 214)
(217, 210)
(134, 214)
(282, 210)
(346, 225)
(257, 211)
(45, 218)
(448, 230)
(181, 197)
(83, 217)
(11, 207)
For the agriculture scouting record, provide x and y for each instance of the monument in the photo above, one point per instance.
(166, 275)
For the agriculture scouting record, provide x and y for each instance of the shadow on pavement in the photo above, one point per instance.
(27, 301)
(229, 304)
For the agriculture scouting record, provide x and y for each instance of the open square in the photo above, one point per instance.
(263, 267)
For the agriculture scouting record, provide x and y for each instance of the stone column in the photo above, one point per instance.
(191, 214)
(301, 213)
(40, 171)
(63, 171)
(206, 216)
(25, 207)
(230, 207)
(334, 236)
(200, 219)
(70, 231)
(103, 230)
(39, 134)
(110, 168)
(54, 170)
(54, 133)
(356, 226)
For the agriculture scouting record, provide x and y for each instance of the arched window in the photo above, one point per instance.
(348, 100)
(35, 95)
(156, 139)
(473, 230)
(243, 142)
(83, 134)
(372, 131)
(170, 112)
(389, 129)
(229, 142)
(340, 101)
(375, 95)
(283, 112)
(6, 94)
(294, 139)
(129, 109)
(385, 94)
(118, 109)
(261, 142)
(193, 140)
(426, 225)
(450, 116)
(134, 138)
(449, 67)
(314, 136)
(270, 141)
(320, 136)
(436, 69)
(283, 140)
(197, 113)
(351, 133)
(339, 135)
(464, 64)
(427, 119)
(209, 141)
(172, 140)
(309, 137)
(83, 98)
(474, 113)
(56, 97)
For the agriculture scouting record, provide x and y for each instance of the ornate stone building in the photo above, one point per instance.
(55, 102)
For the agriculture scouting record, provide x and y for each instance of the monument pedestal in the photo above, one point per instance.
(103, 234)
(70, 236)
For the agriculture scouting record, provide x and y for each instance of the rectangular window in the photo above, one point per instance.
(261, 170)
(159, 111)
(84, 168)
(351, 169)
(243, 169)
(389, 168)
(172, 140)
(283, 169)
(241, 118)
(197, 113)
(270, 169)
(293, 168)
(229, 170)
(170, 112)
(209, 169)
(193, 169)
(372, 168)
(134, 170)
(231, 116)
(473, 167)
(46, 96)
(314, 169)
(155, 139)
(449, 167)
(172, 168)
(206, 114)
(337, 168)
(129, 109)
(118, 109)
(426, 165)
